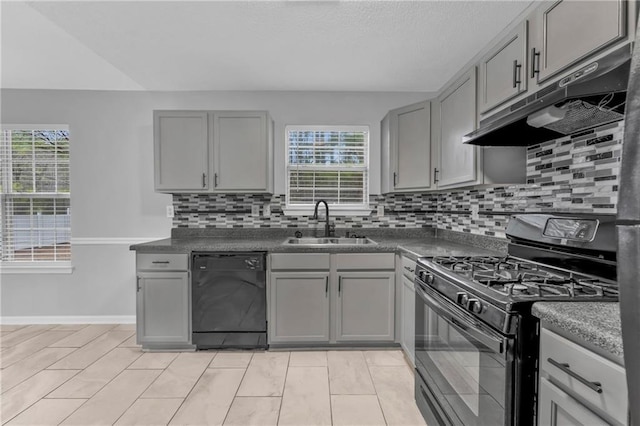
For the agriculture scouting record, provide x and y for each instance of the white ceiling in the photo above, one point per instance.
(245, 45)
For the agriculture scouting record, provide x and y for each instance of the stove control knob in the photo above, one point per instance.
(462, 298)
(427, 278)
(475, 306)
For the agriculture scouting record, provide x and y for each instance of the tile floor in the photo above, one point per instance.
(97, 375)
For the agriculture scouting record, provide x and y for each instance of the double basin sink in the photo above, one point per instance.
(311, 241)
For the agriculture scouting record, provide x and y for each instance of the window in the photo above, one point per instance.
(34, 195)
(328, 163)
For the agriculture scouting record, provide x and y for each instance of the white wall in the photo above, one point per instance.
(112, 197)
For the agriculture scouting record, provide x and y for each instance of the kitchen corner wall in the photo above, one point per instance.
(573, 174)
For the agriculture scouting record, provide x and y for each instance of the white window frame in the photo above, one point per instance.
(34, 267)
(340, 209)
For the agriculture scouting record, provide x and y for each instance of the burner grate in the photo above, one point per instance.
(522, 279)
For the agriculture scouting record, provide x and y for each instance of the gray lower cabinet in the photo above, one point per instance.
(408, 318)
(558, 408)
(578, 386)
(299, 310)
(327, 299)
(163, 319)
(365, 307)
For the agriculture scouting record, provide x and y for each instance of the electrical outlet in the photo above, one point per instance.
(255, 210)
(170, 212)
(474, 212)
(380, 209)
(266, 210)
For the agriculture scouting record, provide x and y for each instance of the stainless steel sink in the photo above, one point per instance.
(311, 241)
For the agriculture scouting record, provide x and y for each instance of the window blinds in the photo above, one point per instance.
(34, 195)
(327, 163)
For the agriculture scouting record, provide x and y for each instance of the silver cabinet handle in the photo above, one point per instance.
(326, 286)
(594, 386)
(339, 284)
(395, 178)
(138, 288)
(204, 180)
(215, 179)
(409, 269)
(535, 59)
(435, 175)
(516, 74)
(160, 262)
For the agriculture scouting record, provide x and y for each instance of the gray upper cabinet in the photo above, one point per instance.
(243, 153)
(213, 151)
(299, 310)
(365, 306)
(406, 148)
(458, 162)
(569, 31)
(503, 71)
(387, 156)
(181, 148)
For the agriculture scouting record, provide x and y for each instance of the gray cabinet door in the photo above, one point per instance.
(503, 71)
(568, 31)
(387, 156)
(365, 306)
(411, 143)
(557, 408)
(458, 162)
(408, 318)
(181, 150)
(163, 308)
(299, 310)
(242, 151)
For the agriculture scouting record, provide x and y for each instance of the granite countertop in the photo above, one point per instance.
(597, 323)
(425, 244)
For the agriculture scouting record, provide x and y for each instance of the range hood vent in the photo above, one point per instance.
(592, 96)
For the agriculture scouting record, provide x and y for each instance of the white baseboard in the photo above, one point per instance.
(89, 319)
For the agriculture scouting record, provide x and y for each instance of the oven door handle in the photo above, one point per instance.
(495, 343)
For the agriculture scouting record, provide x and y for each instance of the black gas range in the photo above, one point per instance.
(476, 340)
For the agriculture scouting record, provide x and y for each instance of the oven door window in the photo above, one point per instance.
(463, 364)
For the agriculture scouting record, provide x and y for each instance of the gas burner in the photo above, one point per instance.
(520, 279)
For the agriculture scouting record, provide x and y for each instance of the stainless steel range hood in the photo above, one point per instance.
(590, 97)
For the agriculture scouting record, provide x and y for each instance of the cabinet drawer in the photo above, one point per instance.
(162, 261)
(297, 261)
(590, 366)
(366, 261)
(408, 267)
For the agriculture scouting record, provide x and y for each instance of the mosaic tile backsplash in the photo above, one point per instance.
(574, 174)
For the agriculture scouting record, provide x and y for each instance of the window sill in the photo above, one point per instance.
(333, 211)
(35, 268)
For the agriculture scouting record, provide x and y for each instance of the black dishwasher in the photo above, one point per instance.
(229, 300)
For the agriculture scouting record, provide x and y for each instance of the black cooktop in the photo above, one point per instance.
(521, 279)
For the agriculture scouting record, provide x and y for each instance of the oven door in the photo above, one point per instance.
(464, 368)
